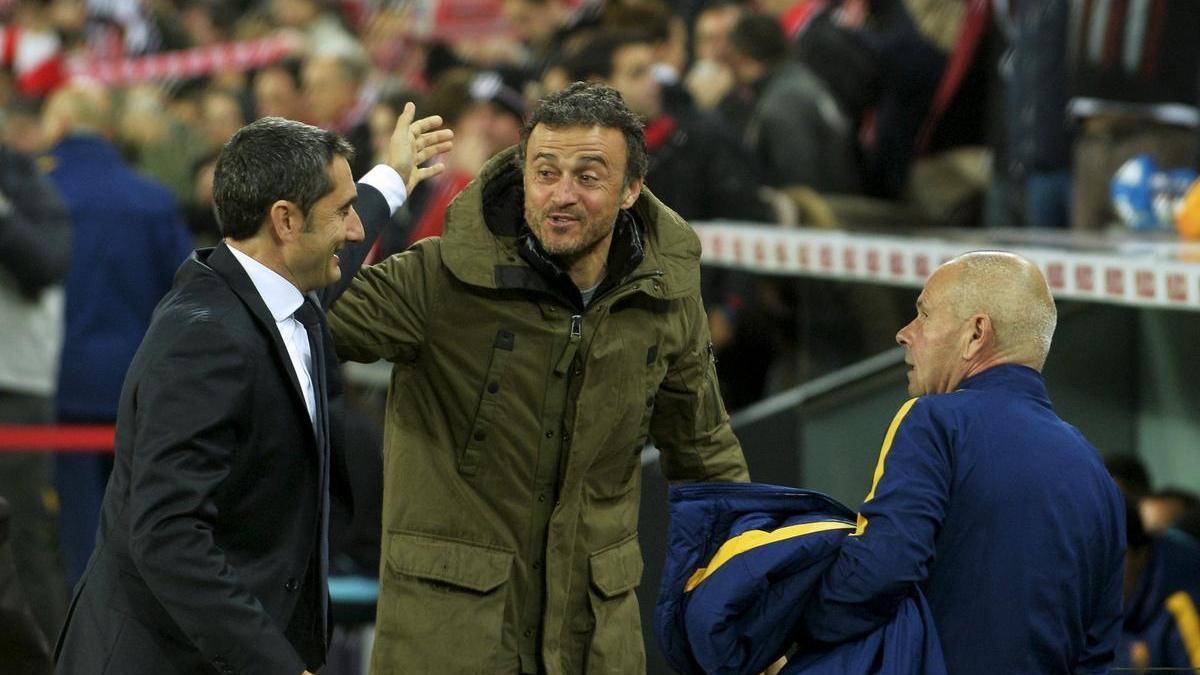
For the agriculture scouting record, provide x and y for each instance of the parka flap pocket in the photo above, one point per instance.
(472, 566)
(617, 569)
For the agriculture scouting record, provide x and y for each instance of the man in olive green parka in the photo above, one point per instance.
(536, 346)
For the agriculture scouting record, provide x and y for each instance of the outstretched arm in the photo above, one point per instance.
(386, 187)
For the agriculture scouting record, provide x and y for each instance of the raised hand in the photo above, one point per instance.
(414, 143)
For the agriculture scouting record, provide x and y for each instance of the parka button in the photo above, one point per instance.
(292, 585)
(528, 632)
(493, 387)
(549, 433)
(537, 565)
(479, 435)
(542, 497)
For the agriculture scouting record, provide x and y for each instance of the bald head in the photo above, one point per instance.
(77, 108)
(1012, 292)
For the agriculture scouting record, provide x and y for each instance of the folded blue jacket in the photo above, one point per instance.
(742, 559)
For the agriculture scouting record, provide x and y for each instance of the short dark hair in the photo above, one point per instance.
(760, 38)
(586, 105)
(269, 160)
(595, 59)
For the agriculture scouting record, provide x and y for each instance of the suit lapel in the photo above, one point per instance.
(221, 260)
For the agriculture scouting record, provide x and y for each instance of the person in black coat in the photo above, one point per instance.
(213, 545)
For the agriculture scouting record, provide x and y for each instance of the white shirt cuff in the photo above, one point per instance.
(389, 183)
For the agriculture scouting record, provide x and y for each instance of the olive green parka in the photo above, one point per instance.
(515, 423)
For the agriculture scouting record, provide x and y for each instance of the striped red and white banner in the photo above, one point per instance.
(183, 64)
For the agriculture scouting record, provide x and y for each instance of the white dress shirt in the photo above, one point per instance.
(282, 300)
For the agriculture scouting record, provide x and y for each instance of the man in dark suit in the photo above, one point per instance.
(213, 544)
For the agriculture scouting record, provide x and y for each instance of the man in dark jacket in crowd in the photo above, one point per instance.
(35, 250)
(1001, 512)
(128, 242)
(797, 131)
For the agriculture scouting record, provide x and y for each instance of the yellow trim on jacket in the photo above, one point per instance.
(752, 539)
(883, 453)
(1181, 606)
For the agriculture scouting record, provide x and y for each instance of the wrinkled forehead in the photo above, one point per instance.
(574, 142)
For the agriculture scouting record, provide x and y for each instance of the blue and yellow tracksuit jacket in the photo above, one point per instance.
(1162, 624)
(742, 560)
(1005, 517)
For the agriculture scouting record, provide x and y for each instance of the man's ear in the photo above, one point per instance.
(980, 335)
(286, 220)
(630, 193)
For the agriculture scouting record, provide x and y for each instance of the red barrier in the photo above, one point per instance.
(81, 438)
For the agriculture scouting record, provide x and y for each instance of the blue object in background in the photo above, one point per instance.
(1132, 194)
(1146, 197)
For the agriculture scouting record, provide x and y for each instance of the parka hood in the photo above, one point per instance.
(484, 225)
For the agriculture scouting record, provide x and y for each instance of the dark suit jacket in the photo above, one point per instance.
(207, 556)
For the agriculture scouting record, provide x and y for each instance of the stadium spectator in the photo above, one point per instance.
(128, 241)
(35, 254)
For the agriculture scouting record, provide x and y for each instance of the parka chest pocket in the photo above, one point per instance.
(489, 403)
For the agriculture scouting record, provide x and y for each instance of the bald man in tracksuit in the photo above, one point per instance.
(1002, 513)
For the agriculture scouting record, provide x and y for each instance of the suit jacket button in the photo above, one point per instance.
(292, 585)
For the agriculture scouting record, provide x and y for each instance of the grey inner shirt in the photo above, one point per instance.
(587, 293)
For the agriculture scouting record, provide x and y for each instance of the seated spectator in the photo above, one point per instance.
(337, 100)
(489, 120)
(709, 80)
(797, 131)
(1160, 615)
(1163, 509)
(277, 92)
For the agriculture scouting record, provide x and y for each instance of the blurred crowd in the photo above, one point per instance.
(814, 112)
(959, 112)
(823, 113)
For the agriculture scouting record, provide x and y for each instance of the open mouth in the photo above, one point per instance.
(561, 219)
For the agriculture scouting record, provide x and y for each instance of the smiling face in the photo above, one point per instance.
(574, 188)
(311, 256)
(935, 341)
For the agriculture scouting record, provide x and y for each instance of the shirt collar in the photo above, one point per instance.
(1010, 376)
(281, 297)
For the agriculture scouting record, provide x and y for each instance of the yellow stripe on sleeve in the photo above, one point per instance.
(1181, 606)
(883, 453)
(752, 539)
